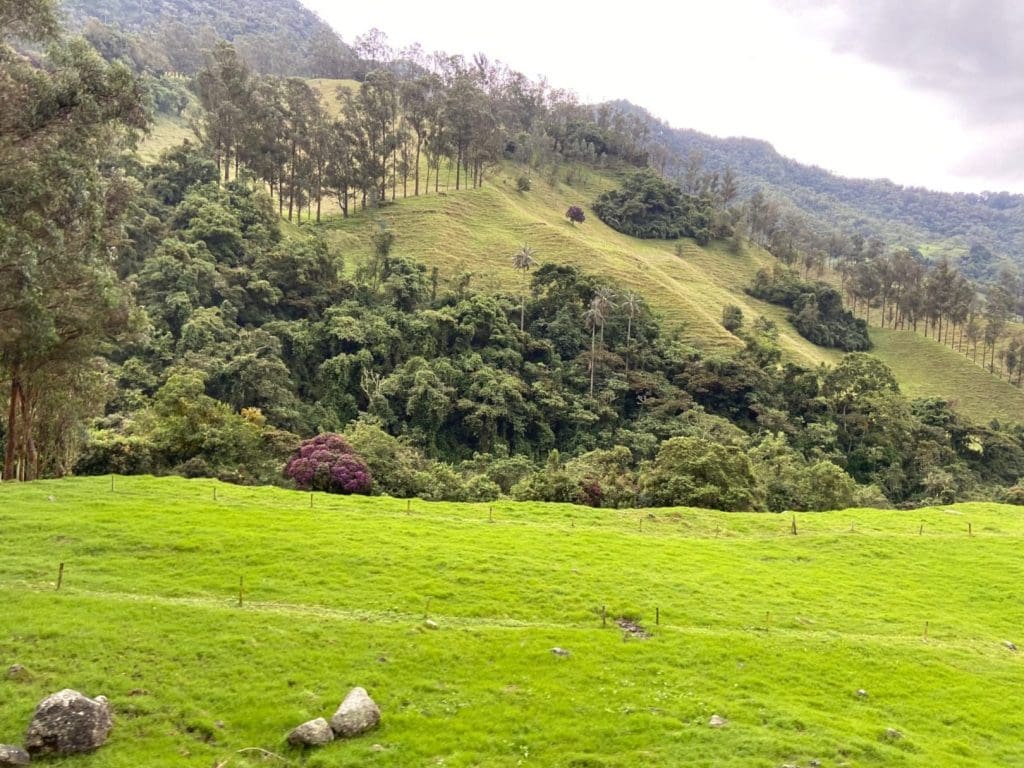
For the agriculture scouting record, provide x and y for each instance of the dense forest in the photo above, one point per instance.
(171, 321)
(281, 38)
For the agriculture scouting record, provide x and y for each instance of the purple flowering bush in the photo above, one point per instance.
(328, 463)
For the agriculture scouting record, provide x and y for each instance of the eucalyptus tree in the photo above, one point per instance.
(60, 208)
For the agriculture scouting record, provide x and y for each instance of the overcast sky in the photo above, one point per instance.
(924, 92)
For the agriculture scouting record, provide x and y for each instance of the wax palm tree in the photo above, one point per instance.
(605, 299)
(523, 260)
(594, 317)
(630, 303)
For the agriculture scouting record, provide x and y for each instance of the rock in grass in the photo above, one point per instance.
(11, 755)
(312, 733)
(717, 721)
(430, 624)
(18, 672)
(67, 722)
(357, 714)
(1009, 646)
(559, 651)
(891, 734)
(861, 693)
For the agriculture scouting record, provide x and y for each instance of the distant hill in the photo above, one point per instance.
(281, 38)
(937, 222)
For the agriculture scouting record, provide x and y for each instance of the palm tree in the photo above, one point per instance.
(630, 303)
(594, 317)
(523, 260)
(605, 299)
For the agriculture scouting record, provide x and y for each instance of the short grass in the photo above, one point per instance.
(772, 631)
(926, 368)
(165, 132)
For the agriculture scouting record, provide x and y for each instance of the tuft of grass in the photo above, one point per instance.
(774, 632)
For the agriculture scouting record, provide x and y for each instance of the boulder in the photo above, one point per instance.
(861, 693)
(67, 722)
(1010, 646)
(312, 733)
(11, 755)
(357, 714)
(559, 651)
(717, 721)
(430, 624)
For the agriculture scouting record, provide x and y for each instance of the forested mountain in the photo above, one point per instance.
(909, 216)
(281, 38)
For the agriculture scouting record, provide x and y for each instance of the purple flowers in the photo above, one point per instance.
(328, 463)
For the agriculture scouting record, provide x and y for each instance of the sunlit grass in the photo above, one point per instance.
(775, 632)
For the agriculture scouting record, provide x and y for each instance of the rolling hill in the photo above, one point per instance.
(775, 633)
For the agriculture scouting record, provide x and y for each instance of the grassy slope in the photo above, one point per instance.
(166, 132)
(925, 368)
(772, 631)
(479, 230)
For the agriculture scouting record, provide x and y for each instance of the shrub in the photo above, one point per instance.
(732, 318)
(328, 463)
(523, 184)
(648, 206)
(575, 215)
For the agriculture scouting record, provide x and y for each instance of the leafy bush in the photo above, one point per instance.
(732, 318)
(649, 207)
(328, 463)
(575, 215)
(523, 184)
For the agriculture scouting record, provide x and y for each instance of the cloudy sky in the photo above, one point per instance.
(924, 92)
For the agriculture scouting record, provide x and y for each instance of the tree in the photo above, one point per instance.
(523, 260)
(631, 302)
(328, 463)
(575, 215)
(61, 206)
(697, 472)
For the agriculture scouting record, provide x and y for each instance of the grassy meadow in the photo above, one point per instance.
(774, 632)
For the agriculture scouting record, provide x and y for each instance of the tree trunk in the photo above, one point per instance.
(12, 429)
(419, 141)
(31, 464)
(629, 330)
(593, 357)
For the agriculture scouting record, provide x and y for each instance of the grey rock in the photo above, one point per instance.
(861, 693)
(357, 714)
(67, 722)
(717, 721)
(1009, 646)
(559, 651)
(11, 755)
(312, 733)
(815, 763)
(430, 624)
(892, 734)
(377, 748)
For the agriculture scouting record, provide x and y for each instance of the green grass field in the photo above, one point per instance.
(772, 631)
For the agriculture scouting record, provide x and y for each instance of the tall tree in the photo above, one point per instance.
(60, 205)
(523, 260)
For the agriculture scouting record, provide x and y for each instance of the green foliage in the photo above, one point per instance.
(818, 312)
(696, 472)
(523, 184)
(732, 318)
(648, 206)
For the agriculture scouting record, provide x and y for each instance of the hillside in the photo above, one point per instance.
(774, 632)
(937, 222)
(478, 230)
(283, 38)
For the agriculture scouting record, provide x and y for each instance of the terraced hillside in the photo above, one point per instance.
(773, 632)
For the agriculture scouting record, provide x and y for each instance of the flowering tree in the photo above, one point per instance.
(328, 463)
(575, 215)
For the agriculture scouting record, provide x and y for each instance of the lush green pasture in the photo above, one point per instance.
(772, 631)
